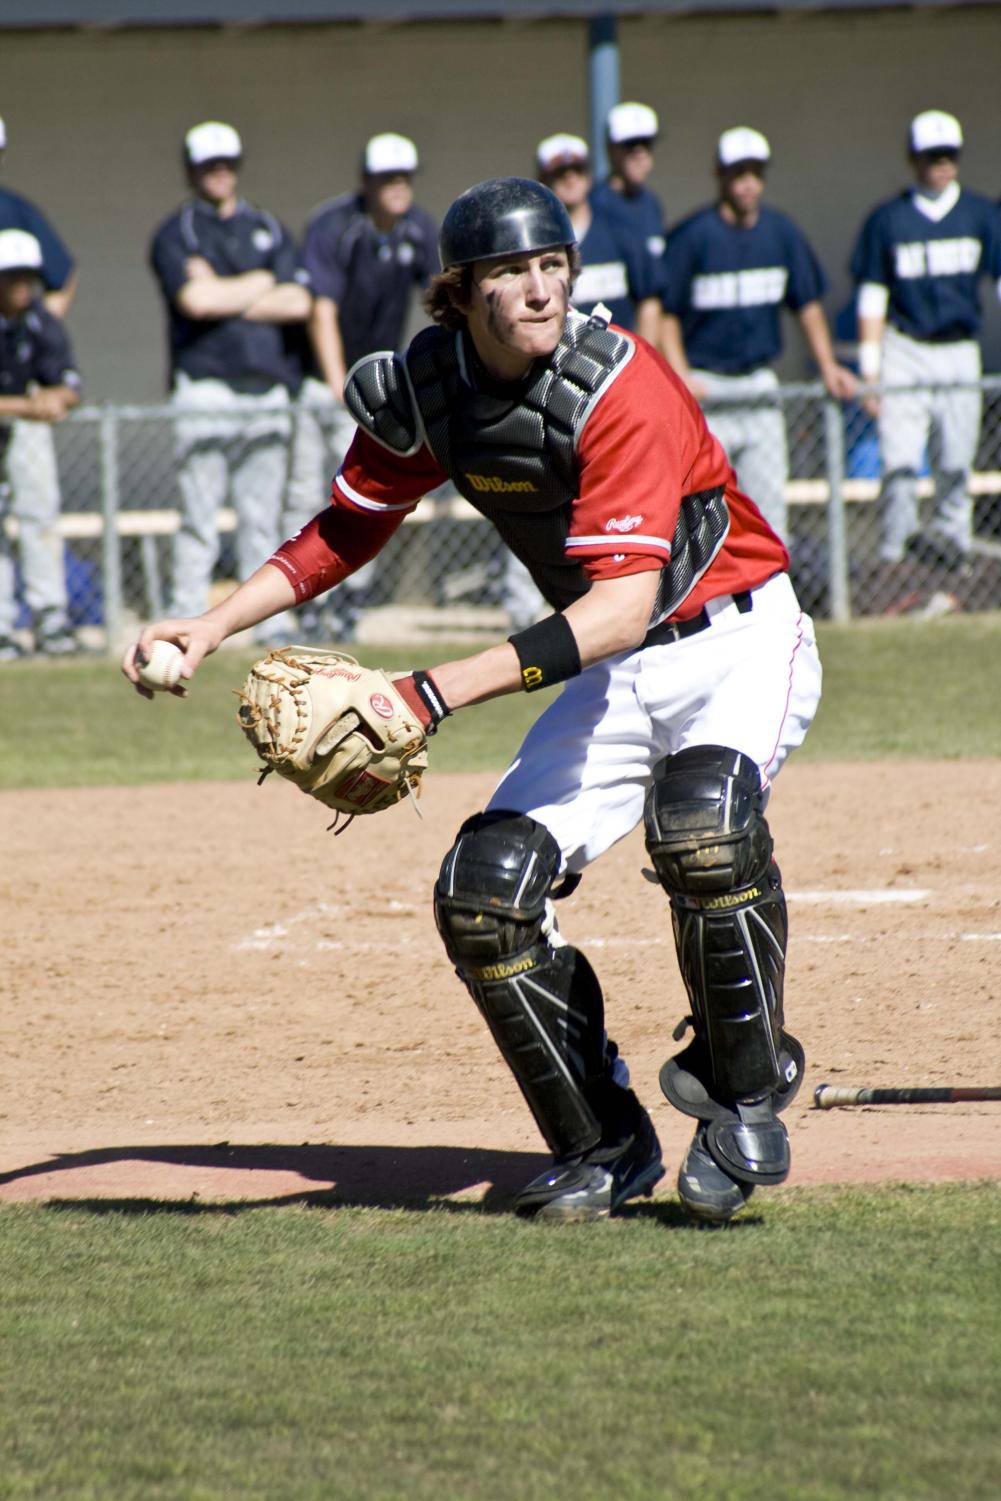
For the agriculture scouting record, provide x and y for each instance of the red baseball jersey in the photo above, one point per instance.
(643, 447)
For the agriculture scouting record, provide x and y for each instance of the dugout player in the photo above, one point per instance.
(232, 285)
(39, 385)
(617, 271)
(631, 132)
(365, 252)
(30, 446)
(917, 264)
(730, 269)
(615, 268)
(690, 672)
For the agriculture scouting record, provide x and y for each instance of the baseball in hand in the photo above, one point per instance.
(161, 670)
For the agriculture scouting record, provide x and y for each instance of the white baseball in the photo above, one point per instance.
(162, 670)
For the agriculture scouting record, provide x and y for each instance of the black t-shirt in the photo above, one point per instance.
(35, 349)
(370, 274)
(247, 355)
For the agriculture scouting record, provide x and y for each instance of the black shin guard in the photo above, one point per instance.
(712, 851)
(539, 997)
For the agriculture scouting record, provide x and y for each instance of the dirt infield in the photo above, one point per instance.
(206, 995)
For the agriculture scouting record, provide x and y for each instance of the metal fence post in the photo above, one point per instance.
(111, 546)
(837, 531)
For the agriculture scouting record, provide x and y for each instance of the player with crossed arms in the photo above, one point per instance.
(690, 672)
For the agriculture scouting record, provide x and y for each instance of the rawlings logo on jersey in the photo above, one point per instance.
(483, 482)
(623, 523)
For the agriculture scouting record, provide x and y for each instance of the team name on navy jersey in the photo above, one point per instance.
(727, 285)
(931, 267)
(765, 286)
(958, 257)
(601, 283)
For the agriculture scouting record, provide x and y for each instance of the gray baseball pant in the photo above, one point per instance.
(906, 423)
(323, 432)
(230, 446)
(754, 437)
(33, 480)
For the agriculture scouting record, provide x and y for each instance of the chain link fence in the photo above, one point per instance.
(446, 574)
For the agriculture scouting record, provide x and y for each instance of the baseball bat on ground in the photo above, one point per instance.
(826, 1095)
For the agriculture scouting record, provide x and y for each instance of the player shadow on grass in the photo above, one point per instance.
(460, 1180)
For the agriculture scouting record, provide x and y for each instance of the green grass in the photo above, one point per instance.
(836, 1346)
(909, 688)
(839, 1344)
(82, 725)
(892, 688)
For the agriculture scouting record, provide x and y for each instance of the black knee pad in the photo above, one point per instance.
(490, 898)
(705, 829)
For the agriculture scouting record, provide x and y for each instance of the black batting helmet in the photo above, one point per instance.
(503, 216)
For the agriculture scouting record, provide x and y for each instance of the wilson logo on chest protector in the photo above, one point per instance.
(490, 482)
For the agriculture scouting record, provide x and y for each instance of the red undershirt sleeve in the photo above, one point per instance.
(371, 496)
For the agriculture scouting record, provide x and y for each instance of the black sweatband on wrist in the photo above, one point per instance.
(430, 696)
(548, 653)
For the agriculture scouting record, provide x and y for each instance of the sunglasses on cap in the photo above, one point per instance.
(741, 169)
(939, 154)
(217, 163)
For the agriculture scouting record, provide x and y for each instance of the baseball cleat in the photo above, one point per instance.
(595, 1186)
(707, 1193)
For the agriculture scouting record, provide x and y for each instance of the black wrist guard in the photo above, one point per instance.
(548, 653)
(430, 696)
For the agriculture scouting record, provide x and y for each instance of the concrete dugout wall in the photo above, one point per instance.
(95, 118)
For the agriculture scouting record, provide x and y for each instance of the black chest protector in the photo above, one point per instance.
(512, 451)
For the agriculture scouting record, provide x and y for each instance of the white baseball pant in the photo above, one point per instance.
(748, 681)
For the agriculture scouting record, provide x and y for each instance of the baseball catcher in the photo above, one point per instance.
(339, 731)
(689, 673)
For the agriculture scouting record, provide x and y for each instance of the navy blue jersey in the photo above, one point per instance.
(20, 213)
(728, 285)
(931, 268)
(615, 269)
(369, 273)
(247, 355)
(642, 211)
(35, 350)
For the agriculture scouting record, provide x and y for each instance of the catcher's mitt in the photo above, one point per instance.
(338, 730)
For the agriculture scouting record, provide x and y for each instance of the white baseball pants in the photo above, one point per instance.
(748, 681)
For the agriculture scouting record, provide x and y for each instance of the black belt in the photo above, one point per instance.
(953, 335)
(680, 630)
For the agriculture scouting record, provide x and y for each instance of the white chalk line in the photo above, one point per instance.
(275, 935)
(858, 898)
